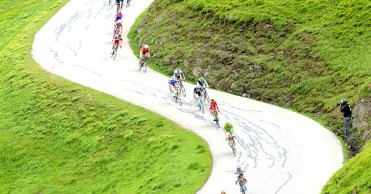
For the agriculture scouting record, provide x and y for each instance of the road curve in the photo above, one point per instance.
(281, 151)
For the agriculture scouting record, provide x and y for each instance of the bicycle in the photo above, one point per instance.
(200, 104)
(114, 51)
(231, 144)
(182, 88)
(143, 64)
(128, 3)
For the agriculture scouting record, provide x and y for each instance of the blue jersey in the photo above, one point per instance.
(173, 82)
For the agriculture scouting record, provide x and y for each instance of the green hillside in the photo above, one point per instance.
(60, 137)
(354, 177)
(303, 55)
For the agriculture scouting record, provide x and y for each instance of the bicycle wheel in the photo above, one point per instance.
(182, 89)
(232, 147)
(114, 52)
(201, 105)
(216, 119)
(243, 190)
(145, 67)
(179, 99)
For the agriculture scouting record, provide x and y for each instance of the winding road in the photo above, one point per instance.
(281, 151)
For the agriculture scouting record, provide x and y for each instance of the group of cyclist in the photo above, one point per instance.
(178, 76)
(117, 28)
(117, 31)
(198, 92)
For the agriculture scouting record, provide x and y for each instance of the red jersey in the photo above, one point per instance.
(213, 105)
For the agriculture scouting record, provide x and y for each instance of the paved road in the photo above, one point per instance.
(281, 151)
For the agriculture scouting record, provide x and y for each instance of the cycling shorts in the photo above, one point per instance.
(117, 41)
(118, 1)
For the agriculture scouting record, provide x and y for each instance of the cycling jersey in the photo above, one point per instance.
(213, 105)
(172, 82)
(118, 39)
(228, 129)
(118, 25)
(199, 93)
(118, 16)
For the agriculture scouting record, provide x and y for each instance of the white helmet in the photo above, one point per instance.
(145, 46)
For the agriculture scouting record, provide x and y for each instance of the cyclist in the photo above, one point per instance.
(214, 106)
(117, 40)
(179, 74)
(119, 4)
(228, 130)
(118, 16)
(173, 84)
(197, 92)
(144, 51)
(202, 82)
(117, 28)
(241, 181)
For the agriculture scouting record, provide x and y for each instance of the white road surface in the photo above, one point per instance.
(281, 151)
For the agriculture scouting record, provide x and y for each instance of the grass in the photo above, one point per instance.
(350, 178)
(60, 137)
(302, 55)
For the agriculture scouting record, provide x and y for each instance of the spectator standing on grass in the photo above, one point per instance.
(347, 114)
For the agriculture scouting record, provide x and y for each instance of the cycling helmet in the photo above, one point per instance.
(198, 86)
(228, 124)
(116, 36)
(178, 70)
(173, 78)
(212, 100)
(344, 101)
(238, 167)
(145, 46)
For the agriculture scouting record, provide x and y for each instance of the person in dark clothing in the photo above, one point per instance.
(347, 111)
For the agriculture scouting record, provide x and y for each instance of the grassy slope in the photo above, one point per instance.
(303, 55)
(59, 137)
(350, 178)
(270, 50)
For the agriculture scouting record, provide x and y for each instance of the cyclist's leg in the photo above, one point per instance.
(234, 139)
(171, 88)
